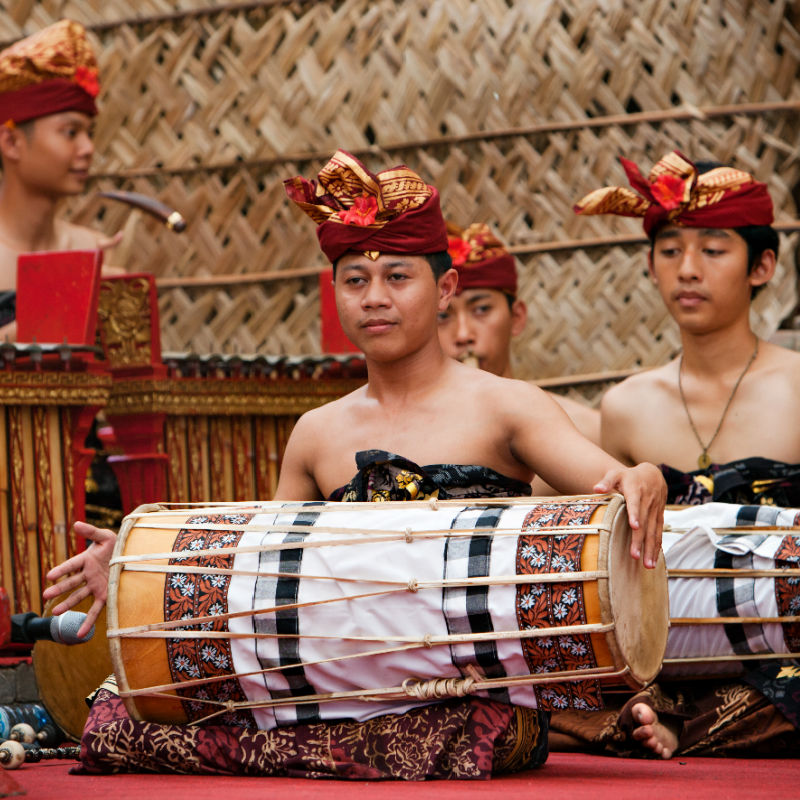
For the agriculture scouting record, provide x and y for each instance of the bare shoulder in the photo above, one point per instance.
(639, 388)
(335, 411)
(781, 361)
(78, 237)
(509, 392)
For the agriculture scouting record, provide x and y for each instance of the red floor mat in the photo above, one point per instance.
(566, 775)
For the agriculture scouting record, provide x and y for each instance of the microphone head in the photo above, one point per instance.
(64, 628)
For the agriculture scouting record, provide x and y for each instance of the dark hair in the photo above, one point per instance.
(758, 238)
(439, 263)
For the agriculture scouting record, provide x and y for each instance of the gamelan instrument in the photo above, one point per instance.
(276, 613)
(734, 587)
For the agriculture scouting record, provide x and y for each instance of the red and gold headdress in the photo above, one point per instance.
(394, 211)
(480, 259)
(53, 70)
(675, 193)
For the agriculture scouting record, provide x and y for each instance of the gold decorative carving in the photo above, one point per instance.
(224, 396)
(125, 319)
(24, 566)
(54, 388)
(69, 481)
(44, 496)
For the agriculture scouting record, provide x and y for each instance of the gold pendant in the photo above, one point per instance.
(704, 460)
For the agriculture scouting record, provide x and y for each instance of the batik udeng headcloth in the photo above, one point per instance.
(52, 71)
(480, 259)
(675, 193)
(394, 211)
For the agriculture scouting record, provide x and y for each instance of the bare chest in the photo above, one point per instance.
(429, 436)
(760, 421)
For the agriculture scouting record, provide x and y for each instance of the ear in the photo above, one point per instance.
(519, 316)
(447, 288)
(10, 143)
(763, 269)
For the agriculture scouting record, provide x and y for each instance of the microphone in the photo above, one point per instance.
(28, 628)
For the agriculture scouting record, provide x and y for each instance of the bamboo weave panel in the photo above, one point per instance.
(194, 102)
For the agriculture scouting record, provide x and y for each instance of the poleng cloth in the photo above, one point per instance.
(481, 260)
(674, 192)
(393, 211)
(52, 71)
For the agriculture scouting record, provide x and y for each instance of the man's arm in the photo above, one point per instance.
(615, 424)
(296, 481)
(546, 441)
(584, 418)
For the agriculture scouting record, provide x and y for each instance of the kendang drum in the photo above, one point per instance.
(734, 587)
(271, 614)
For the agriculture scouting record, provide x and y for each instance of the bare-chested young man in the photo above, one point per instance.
(386, 238)
(418, 402)
(48, 85)
(721, 418)
(485, 315)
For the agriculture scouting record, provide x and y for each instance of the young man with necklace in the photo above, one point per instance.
(723, 413)
(721, 419)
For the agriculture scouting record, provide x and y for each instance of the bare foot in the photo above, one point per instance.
(653, 734)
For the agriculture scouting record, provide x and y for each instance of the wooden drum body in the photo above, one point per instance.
(269, 614)
(734, 587)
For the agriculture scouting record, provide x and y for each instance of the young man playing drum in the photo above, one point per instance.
(387, 240)
(48, 86)
(388, 298)
(721, 419)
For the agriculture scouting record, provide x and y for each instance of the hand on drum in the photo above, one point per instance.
(645, 494)
(84, 574)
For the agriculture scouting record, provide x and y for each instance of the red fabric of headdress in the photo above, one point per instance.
(40, 99)
(393, 211)
(481, 260)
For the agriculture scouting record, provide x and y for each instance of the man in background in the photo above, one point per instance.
(721, 419)
(485, 315)
(48, 86)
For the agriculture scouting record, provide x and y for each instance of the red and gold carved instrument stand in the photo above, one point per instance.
(197, 429)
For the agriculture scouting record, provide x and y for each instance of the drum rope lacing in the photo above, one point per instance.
(436, 688)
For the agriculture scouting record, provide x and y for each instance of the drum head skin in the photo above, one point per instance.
(639, 602)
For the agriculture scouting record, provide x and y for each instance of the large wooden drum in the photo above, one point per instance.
(274, 613)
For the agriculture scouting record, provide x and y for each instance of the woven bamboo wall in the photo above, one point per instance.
(503, 105)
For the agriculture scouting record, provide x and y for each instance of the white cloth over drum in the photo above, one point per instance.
(400, 614)
(694, 538)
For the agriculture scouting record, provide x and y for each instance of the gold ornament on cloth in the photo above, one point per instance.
(675, 192)
(344, 184)
(59, 51)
